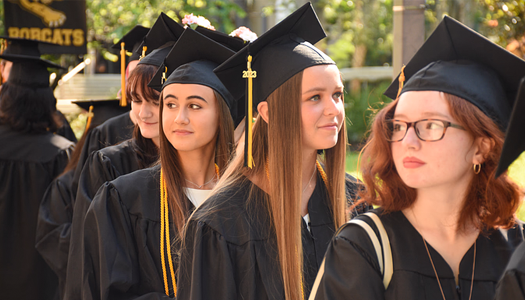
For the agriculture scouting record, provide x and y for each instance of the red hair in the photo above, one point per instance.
(489, 203)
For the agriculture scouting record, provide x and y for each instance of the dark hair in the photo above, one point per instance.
(146, 150)
(489, 202)
(138, 82)
(29, 110)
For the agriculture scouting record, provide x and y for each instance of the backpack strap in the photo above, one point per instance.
(384, 253)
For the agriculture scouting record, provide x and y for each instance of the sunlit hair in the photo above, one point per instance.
(282, 149)
(489, 202)
(171, 165)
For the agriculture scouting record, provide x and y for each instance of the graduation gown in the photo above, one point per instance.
(352, 271)
(121, 253)
(512, 283)
(65, 130)
(28, 164)
(111, 132)
(53, 226)
(102, 166)
(230, 253)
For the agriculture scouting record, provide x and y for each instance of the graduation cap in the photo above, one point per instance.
(28, 68)
(234, 43)
(156, 57)
(191, 61)
(515, 137)
(459, 61)
(132, 41)
(100, 110)
(272, 59)
(165, 30)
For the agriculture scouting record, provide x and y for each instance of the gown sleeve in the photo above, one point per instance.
(206, 270)
(351, 269)
(512, 283)
(97, 170)
(109, 257)
(53, 227)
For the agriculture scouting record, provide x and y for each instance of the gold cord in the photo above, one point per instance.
(437, 277)
(165, 234)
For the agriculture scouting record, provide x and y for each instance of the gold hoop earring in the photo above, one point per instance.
(477, 168)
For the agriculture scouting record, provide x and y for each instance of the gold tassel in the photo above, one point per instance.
(144, 49)
(123, 101)
(249, 118)
(163, 79)
(401, 81)
(90, 118)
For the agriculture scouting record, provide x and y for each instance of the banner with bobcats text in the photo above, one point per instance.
(62, 22)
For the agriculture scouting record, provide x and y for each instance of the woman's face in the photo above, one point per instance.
(146, 114)
(442, 163)
(189, 118)
(322, 107)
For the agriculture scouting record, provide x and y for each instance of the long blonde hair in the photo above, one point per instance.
(279, 143)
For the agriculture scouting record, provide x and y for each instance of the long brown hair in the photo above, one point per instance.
(489, 202)
(282, 150)
(173, 172)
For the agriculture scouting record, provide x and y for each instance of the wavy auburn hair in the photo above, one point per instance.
(489, 203)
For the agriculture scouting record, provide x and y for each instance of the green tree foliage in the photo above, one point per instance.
(109, 20)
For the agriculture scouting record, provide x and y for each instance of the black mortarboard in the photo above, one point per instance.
(132, 41)
(156, 57)
(459, 61)
(234, 43)
(164, 30)
(102, 110)
(515, 137)
(276, 56)
(28, 68)
(192, 60)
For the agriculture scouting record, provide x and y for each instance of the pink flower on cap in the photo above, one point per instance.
(190, 19)
(244, 33)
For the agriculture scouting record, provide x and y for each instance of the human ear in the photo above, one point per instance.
(483, 147)
(262, 108)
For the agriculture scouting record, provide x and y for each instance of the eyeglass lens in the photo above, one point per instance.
(427, 130)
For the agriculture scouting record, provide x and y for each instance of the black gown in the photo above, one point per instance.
(512, 283)
(121, 253)
(352, 271)
(102, 166)
(109, 133)
(28, 164)
(54, 224)
(65, 130)
(231, 253)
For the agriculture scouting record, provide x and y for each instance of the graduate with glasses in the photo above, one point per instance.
(446, 226)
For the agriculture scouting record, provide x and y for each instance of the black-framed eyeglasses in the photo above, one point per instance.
(428, 130)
